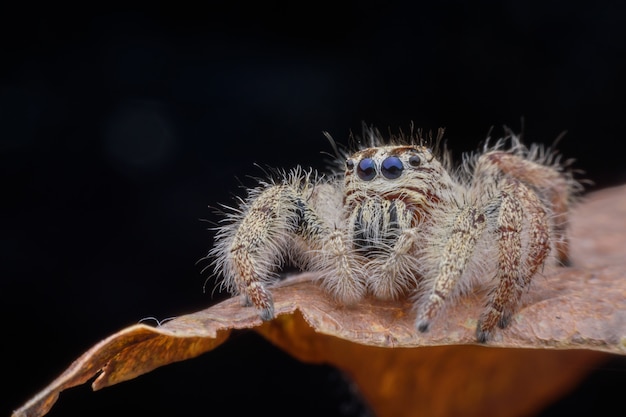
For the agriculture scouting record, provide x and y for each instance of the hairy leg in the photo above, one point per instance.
(262, 234)
(508, 276)
(467, 228)
(546, 180)
(514, 274)
(257, 246)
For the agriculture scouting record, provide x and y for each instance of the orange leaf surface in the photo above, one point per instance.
(572, 319)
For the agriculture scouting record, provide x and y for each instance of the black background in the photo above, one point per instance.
(119, 129)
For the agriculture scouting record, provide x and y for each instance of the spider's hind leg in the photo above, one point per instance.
(544, 177)
(515, 265)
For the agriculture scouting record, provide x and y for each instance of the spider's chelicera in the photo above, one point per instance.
(402, 220)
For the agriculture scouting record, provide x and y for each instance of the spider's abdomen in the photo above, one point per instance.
(376, 223)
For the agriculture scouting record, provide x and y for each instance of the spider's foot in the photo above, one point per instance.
(422, 325)
(246, 301)
(483, 335)
(487, 324)
(267, 314)
(430, 310)
(261, 298)
(567, 262)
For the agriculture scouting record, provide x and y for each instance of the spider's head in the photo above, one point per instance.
(389, 166)
(392, 172)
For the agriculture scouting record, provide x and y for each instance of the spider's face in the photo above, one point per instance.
(387, 189)
(389, 169)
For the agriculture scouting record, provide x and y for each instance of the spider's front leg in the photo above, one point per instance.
(259, 238)
(465, 231)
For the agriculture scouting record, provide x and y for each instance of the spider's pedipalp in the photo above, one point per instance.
(393, 271)
(341, 269)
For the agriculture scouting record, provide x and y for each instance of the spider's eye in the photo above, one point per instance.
(366, 169)
(391, 167)
(349, 164)
(415, 161)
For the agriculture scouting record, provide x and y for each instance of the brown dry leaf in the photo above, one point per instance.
(572, 319)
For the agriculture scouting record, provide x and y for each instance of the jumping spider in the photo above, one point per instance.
(398, 218)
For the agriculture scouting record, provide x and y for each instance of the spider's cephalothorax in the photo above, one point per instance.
(402, 221)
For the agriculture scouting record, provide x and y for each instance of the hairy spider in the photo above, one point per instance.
(398, 218)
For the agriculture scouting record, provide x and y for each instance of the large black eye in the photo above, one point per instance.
(366, 169)
(415, 161)
(392, 167)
